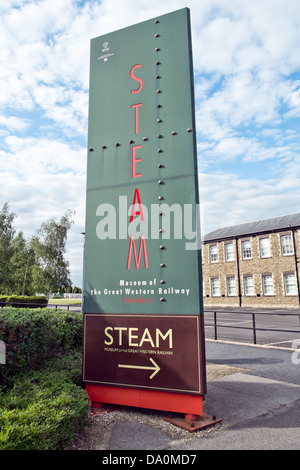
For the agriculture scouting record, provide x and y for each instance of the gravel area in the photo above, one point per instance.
(96, 436)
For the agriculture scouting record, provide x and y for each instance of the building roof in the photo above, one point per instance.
(273, 224)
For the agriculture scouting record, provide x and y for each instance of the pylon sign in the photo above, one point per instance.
(143, 324)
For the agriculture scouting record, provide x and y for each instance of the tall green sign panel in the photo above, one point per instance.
(143, 315)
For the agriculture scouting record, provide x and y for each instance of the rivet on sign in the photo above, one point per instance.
(174, 133)
(131, 141)
(158, 120)
(158, 91)
(157, 62)
(145, 138)
(162, 281)
(189, 130)
(160, 198)
(160, 230)
(157, 76)
(162, 299)
(159, 136)
(91, 149)
(162, 265)
(160, 182)
(159, 151)
(158, 106)
(160, 213)
(157, 49)
(117, 144)
(157, 35)
(160, 165)
(156, 21)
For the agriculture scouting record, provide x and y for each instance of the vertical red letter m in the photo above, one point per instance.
(137, 260)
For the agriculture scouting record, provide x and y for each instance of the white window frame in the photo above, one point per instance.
(246, 250)
(231, 286)
(229, 254)
(287, 248)
(213, 254)
(248, 287)
(288, 286)
(267, 284)
(264, 251)
(215, 286)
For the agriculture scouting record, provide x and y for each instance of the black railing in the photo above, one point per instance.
(254, 328)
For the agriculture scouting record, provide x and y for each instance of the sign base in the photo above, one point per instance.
(149, 399)
(196, 423)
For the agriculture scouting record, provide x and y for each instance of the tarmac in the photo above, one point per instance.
(259, 406)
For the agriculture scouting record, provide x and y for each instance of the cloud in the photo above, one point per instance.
(247, 87)
(245, 200)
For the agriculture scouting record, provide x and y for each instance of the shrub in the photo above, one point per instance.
(33, 336)
(45, 408)
(23, 300)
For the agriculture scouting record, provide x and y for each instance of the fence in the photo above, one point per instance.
(254, 328)
(33, 305)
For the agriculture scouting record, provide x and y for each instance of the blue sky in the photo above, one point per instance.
(247, 89)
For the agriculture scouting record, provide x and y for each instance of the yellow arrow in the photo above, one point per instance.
(156, 368)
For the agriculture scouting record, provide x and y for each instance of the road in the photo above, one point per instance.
(237, 325)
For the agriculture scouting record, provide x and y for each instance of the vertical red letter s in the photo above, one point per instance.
(137, 79)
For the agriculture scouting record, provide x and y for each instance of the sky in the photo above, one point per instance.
(247, 105)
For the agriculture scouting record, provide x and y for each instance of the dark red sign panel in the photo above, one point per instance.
(154, 352)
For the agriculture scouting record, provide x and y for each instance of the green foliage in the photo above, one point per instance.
(32, 336)
(37, 264)
(51, 272)
(7, 232)
(21, 263)
(34, 301)
(45, 408)
(42, 401)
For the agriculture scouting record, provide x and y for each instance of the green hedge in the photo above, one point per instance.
(44, 408)
(32, 336)
(22, 300)
(42, 399)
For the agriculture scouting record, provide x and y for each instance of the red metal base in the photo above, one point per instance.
(150, 399)
(98, 408)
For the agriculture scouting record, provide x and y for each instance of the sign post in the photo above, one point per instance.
(143, 313)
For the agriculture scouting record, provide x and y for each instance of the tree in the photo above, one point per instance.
(7, 232)
(51, 271)
(22, 262)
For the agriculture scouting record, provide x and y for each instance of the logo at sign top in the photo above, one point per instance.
(106, 54)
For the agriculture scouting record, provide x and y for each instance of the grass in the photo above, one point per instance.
(64, 301)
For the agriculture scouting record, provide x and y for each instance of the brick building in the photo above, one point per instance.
(253, 264)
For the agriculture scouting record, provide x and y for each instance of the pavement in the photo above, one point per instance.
(259, 406)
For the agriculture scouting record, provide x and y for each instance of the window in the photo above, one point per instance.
(286, 245)
(231, 290)
(213, 254)
(246, 249)
(290, 284)
(215, 286)
(229, 252)
(267, 284)
(264, 247)
(248, 285)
